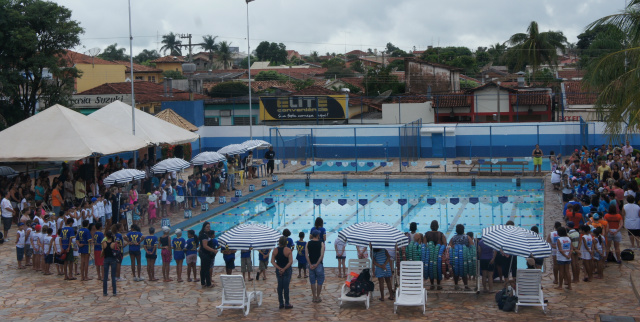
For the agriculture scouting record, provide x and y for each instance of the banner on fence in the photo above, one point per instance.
(328, 107)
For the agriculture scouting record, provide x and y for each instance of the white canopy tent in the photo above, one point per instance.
(60, 134)
(148, 127)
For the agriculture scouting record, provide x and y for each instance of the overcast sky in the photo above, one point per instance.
(327, 25)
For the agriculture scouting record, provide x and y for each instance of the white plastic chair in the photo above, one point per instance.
(356, 266)
(235, 295)
(529, 290)
(411, 291)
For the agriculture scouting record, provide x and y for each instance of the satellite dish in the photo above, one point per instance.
(93, 52)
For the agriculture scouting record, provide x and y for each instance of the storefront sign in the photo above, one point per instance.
(328, 107)
(99, 100)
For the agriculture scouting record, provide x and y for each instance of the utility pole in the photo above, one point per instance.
(188, 36)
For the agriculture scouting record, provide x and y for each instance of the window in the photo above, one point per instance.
(242, 120)
(140, 78)
(212, 121)
(152, 79)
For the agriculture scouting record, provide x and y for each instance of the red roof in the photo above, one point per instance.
(571, 74)
(138, 68)
(410, 98)
(145, 92)
(355, 81)
(459, 99)
(77, 58)
(531, 98)
(356, 52)
(169, 59)
(576, 94)
(315, 90)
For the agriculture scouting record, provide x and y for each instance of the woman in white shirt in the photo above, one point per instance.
(631, 214)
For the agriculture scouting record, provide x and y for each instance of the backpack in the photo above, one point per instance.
(361, 285)
(627, 255)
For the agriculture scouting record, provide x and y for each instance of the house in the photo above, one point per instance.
(357, 53)
(424, 77)
(570, 74)
(578, 102)
(291, 54)
(203, 61)
(142, 72)
(345, 81)
(94, 71)
(493, 102)
(170, 63)
(149, 96)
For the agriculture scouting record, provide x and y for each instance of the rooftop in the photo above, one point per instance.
(74, 58)
(576, 94)
(146, 92)
(138, 68)
(169, 59)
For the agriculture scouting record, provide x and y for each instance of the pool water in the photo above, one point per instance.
(344, 165)
(449, 201)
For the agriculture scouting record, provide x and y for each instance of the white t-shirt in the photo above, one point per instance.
(75, 246)
(24, 204)
(164, 195)
(29, 232)
(632, 217)
(21, 238)
(35, 240)
(101, 209)
(340, 244)
(107, 207)
(47, 247)
(556, 176)
(5, 203)
(59, 224)
(58, 245)
(95, 212)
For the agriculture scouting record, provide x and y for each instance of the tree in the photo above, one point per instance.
(34, 37)
(272, 52)
(244, 63)
(209, 45)
(538, 48)
(380, 80)
(113, 53)
(173, 74)
(224, 54)
(616, 76)
(228, 89)
(145, 56)
(270, 75)
(598, 42)
(397, 64)
(172, 44)
(391, 48)
(496, 53)
(314, 56)
(460, 57)
(358, 66)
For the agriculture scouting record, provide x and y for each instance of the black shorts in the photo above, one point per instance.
(6, 223)
(134, 253)
(48, 259)
(57, 260)
(230, 263)
(634, 232)
(154, 257)
(566, 197)
(485, 266)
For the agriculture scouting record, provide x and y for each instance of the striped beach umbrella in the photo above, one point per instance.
(251, 235)
(123, 176)
(380, 235)
(208, 157)
(256, 144)
(170, 165)
(7, 171)
(232, 149)
(516, 241)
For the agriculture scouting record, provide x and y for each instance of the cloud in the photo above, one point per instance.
(306, 25)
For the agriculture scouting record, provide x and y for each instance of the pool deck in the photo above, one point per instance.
(27, 296)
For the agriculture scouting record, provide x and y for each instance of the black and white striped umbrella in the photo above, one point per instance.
(208, 157)
(124, 175)
(170, 165)
(252, 235)
(256, 144)
(516, 241)
(380, 235)
(233, 149)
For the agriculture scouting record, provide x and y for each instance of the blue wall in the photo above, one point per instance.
(192, 111)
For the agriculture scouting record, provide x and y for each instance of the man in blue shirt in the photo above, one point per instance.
(134, 238)
(150, 246)
(65, 241)
(84, 235)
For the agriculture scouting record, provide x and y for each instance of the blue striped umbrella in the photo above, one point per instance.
(252, 235)
(208, 157)
(124, 175)
(170, 165)
(380, 235)
(516, 241)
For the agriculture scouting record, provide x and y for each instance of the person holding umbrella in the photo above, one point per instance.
(282, 260)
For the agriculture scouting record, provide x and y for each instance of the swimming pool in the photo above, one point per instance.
(294, 206)
(343, 165)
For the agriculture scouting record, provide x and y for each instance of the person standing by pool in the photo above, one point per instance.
(108, 246)
(631, 213)
(192, 254)
(207, 254)
(134, 238)
(301, 247)
(150, 246)
(282, 261)
(537, 159)
(438, 239)
(165, 246)
(565, 249)
(340, 246)
(178, 244)
(487, 258)
(382, 263)
(460, 239)
(314, 256)
(270, 157)
(319, 226)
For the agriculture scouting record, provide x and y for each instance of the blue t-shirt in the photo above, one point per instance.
(178, 245)
(149, 242)
(227, 257)
(83, 239)
(134, 237)
(323, 233)
(564, 212)
(97, 240)
(192, 246)
(603, 207)
(179, 190)
(290, 243)
(301, 247)
(119, 240)
(155, 181)
(245, 254)
(263, 257)
(67, 233)
(191, 186)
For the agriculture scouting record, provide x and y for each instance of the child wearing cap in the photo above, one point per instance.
(20, 242)
(178, 244)
(192, 254)
(165, 245)
(150, 246)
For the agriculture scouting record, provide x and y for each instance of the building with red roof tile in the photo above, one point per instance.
(94, 71)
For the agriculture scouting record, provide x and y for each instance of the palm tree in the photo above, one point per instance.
(536, 48)
(172, 44)
(224, 54)
(209, 44)
(496, 53)
(616, 76)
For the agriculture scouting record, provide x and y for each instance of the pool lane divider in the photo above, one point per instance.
(451, 229)
(346, 220)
